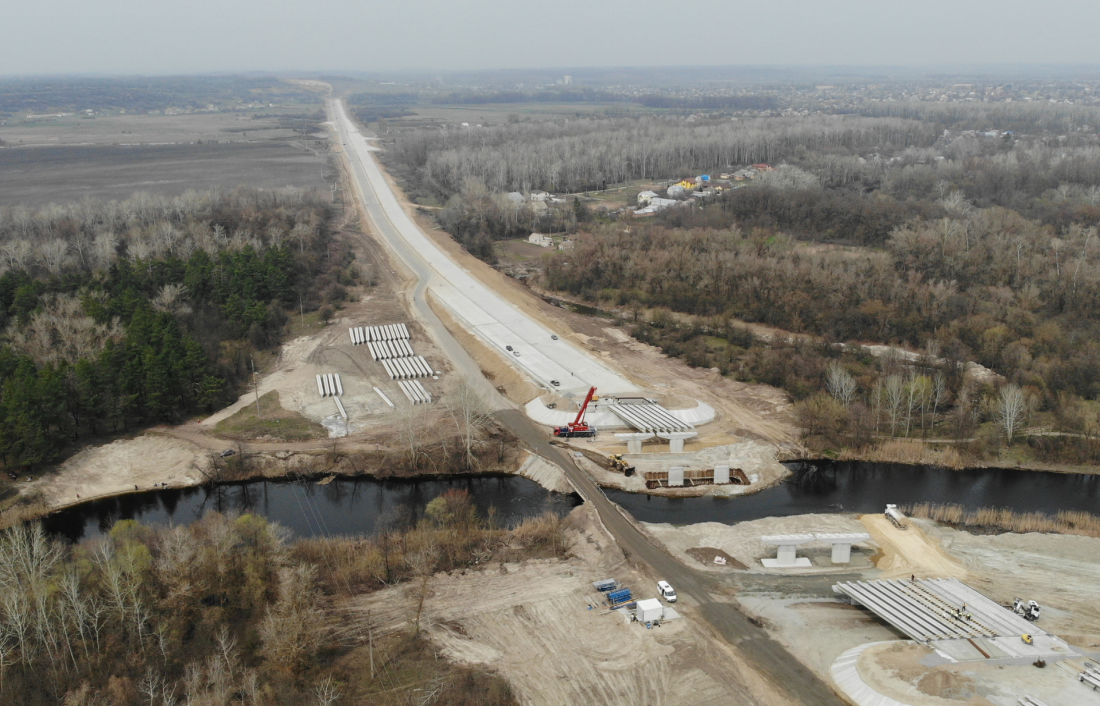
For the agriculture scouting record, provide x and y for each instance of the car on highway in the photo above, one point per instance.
(515, 353)
(508, 348)
(554, 336)
(666, 591)
(555, 383)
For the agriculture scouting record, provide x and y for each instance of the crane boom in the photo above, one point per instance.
(584, 408)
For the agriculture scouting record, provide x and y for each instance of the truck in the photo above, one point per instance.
(578, 427)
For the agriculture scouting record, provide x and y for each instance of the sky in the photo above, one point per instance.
(173, 37)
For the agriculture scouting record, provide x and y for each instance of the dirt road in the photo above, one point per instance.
(770, 659)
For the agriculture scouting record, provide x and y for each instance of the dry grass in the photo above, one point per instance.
(911, 451)
(273, 421)
(1065, 522)
(23, 509)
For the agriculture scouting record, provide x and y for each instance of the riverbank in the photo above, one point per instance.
(916, 452)
(155, 461)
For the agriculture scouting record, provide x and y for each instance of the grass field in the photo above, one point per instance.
(273, 421)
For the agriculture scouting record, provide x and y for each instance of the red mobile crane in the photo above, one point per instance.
(578, 427)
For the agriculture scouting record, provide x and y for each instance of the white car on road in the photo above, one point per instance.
(666, 591)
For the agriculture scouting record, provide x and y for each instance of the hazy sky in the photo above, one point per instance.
(172, 36)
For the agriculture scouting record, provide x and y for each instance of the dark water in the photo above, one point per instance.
(868, 487)
(343, 507)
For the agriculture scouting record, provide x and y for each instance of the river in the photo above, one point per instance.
(351, 506)
(346, 506)
(857, 486)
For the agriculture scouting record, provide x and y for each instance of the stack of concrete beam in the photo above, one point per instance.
(372, 334)
(383, 350)
(1090, 677)
(415, 391)
(407, 368)
(329, 385)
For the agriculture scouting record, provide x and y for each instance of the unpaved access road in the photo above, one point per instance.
(766, 656)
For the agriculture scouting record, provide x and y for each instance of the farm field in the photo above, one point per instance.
(113, 157)
(36, 176)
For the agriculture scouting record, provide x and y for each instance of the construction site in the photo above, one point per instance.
(874, 609)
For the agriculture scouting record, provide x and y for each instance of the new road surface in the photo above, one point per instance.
(426, 261)
(482, 311)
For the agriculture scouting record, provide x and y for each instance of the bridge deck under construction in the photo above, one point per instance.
(647, 416)
(936, 609)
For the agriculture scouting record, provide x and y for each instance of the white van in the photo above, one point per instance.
(666, 591)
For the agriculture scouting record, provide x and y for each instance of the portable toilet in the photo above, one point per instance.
(649, 610)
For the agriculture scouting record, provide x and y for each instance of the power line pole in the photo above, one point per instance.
(255, 386)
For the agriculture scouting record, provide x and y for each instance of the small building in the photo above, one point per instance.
(540, 196)
(688, 184)
(649, 610)
(763, 167)
(656, 205)
(646, 196)
(676, 191)
(543, 241)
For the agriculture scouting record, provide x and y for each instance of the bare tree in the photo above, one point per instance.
(1011, 409)
(327, 693)
(894, 390)
(840, 383)
(423, 564)
(471, 418)
(939, 395)
(52, 252)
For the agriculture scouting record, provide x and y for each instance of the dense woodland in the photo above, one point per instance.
(227, 610)
(590, 153)
(146, 311)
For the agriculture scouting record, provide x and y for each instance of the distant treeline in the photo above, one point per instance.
(746, 102)
(1030, 117)
(567, 95)
(141, 93)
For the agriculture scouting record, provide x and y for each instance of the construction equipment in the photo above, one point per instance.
(619, 598)
(1027, 639)
(1028, 611)
(895, 516)
(578, 427)
(618, 464)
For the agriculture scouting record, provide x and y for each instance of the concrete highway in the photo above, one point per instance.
(482, 311)
(770, 659)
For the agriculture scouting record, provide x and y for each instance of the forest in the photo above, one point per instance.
(231, 610)
(146, 311)
(591, 153)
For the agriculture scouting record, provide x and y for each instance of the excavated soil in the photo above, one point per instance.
(532, 623)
